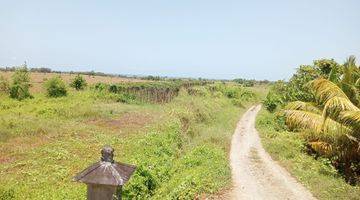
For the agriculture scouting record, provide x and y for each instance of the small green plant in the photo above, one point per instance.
(19, 88)
(79, 83)
(55, 87)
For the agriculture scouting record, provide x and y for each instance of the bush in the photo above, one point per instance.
(55, 87)
(20, 84)
(272, 101)
(100, 86)
(79, 83)
(4, 85)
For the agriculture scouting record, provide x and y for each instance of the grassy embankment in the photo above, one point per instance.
(288, 148)
(180, 147)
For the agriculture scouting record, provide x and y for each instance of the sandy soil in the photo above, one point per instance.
(255, 175)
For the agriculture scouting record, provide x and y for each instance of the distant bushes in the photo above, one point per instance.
(245, 82)
(41, 70)
(55, 87)
(235, 92)
(153, 92)
(250, 82)
(79, 83)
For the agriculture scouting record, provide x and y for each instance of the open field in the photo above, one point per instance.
(37, 79)
(179, 147)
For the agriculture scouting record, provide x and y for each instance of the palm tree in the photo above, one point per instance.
(331, 124)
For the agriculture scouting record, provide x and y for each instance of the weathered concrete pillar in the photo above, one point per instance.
(105, 178)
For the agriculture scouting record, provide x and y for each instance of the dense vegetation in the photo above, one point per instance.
(321, 102)
(314, 172)
(179, 146)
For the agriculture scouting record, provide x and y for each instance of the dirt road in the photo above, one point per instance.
(255, 175)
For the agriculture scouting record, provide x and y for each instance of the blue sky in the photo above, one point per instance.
(188, 38)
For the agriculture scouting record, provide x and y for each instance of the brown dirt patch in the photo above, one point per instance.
(126, 122)
(17, 145)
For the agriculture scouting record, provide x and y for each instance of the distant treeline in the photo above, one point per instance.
(241, 81)
(250, 82)
(48, 70)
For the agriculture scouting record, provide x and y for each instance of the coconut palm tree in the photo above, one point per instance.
(331, 124)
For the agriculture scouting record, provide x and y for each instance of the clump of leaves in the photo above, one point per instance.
(55, 87)
(20, 84)
(79, 83)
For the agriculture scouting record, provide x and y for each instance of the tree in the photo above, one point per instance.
(331, 123)
(19, 88)
(325, 66)
(55, 87)
(79, 83)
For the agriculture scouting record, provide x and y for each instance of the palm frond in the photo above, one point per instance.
(298, 119)
(357, 83)
(336, 105)
(322, 148)
(324, 90)
(326, 128)
(350, 61)
(351, 118)
(305, 106)
(349, 70)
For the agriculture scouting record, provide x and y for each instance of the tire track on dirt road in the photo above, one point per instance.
(254, 174)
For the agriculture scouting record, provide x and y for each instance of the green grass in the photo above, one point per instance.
(179, 152)
(288, 148)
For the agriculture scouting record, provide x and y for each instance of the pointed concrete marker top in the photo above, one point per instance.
(106, 171)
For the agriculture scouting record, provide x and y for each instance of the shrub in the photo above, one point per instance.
(79, 83)
(55, 87)
(4, 85)
(100, 86)
(20, 84)
(272, 101)
(113, 88)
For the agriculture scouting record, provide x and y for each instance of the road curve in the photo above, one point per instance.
(254, 174)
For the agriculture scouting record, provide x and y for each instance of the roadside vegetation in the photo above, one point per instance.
(312, 126)
(176, 133)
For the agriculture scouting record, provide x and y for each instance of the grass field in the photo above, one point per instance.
(179, 148)
(318, 175)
